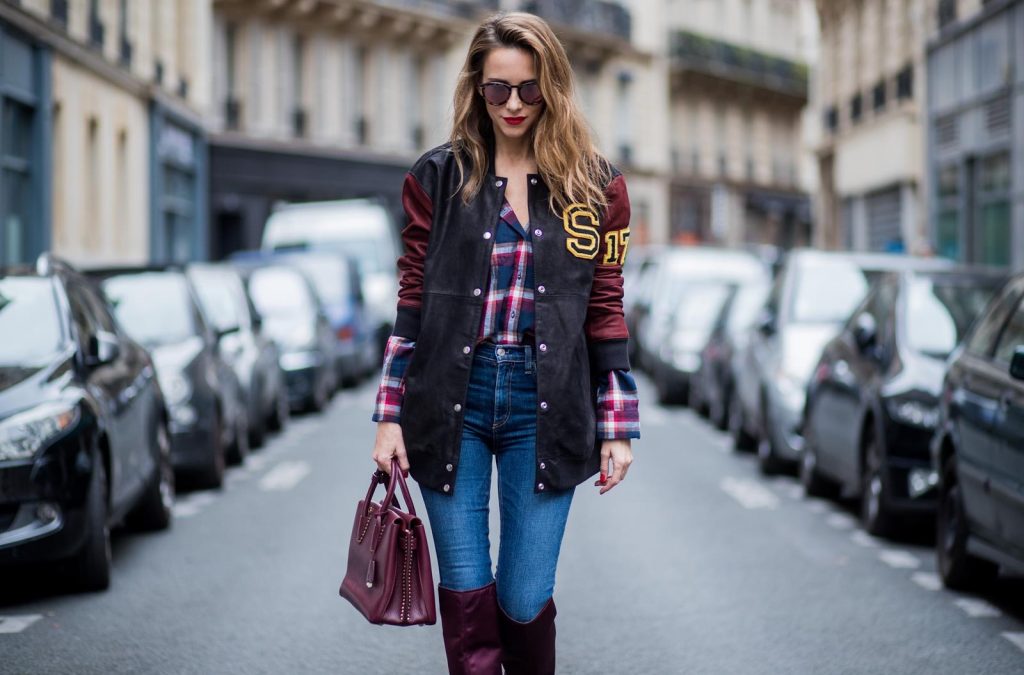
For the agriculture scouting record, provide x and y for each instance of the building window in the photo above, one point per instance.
(905, 83)
(97, 31)
(624, 131)
(947, 12)
(831, 119)
(59, 11)
(947, 224)
(878, 95)
(993, 236)
(298, 75)
(232, 106)
(362, 63)
(856, 107)
(125, 49)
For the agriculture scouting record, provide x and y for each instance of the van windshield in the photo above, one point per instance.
(366, 252)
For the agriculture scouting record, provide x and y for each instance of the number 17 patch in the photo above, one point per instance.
(615, 243)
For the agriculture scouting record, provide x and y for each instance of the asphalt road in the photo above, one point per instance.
(695, 564)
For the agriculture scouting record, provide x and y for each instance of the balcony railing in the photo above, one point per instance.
(463, 8)
(722, 59)
(593, 16)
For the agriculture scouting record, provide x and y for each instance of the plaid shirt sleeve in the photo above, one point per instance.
(618, 416)
(391, 390)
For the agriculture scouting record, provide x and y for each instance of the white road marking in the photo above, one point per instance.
(255, 463)
(927, 580)
(750, 494)
(18, 623)
(899, 559)
(191, 504)
(862, 538)
(1016, 638)
(284, 476)
(977, 609)
(840, 521)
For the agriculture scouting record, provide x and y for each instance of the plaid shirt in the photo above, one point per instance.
(508, 318)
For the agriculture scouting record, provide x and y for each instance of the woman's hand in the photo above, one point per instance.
(620, 454)
(389, 444)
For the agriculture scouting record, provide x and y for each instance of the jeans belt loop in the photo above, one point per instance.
(529, 359)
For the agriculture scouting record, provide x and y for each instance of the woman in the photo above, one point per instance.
(509, 342)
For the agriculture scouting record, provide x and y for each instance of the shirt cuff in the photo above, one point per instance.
(618, 413)
(391, 390)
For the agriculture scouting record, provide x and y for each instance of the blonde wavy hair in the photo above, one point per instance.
(567, 158)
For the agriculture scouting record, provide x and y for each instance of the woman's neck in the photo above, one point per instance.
(514, 153)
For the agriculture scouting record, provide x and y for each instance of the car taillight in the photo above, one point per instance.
(346, 333)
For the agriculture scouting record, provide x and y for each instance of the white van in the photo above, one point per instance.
(360, 228)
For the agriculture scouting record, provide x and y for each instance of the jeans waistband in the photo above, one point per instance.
(496, 353)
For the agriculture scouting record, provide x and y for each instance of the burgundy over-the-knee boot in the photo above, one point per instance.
(469, 624)
(528, 648)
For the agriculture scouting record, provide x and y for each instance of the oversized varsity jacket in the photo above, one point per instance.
(579, 326)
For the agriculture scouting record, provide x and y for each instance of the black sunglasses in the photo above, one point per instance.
(498, 93)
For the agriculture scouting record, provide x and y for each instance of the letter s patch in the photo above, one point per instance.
(582, 226)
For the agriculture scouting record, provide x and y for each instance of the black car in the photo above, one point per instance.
(872, 403)
(83, 427)
(158, 307)
(978, 451)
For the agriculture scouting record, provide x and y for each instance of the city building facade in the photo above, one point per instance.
(738, 86)
(871, 100)
(119, 137)
(975, 127)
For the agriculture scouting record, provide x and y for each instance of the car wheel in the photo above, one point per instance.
(91, 566)
(718, 410)
(741, 440)
(875, 514)
(257, 428)
(815, 485)
(239, 449)
(212, 476)
(767, 459)
(958, 569)
(282, 411)
(155, 508)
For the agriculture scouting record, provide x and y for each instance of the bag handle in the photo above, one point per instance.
(379, 477)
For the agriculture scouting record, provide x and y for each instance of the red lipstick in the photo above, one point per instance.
(514, 121)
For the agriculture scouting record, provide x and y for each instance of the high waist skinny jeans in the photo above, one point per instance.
(500, 422)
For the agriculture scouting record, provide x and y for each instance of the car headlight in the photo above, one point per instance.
(177, 389)
(914, 413)
(24, 434)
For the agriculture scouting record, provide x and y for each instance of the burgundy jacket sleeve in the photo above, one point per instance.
(419, 211)
(606, 324)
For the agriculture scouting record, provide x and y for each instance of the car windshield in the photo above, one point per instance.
(220, 304)
(367, 253)
(745, 306)
(328, 276)
(154, 307)
(280, 292)
(939, 311)
(29, 321)
(826, 292)
(699, 305)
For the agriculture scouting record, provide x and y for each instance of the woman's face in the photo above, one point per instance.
(513, 119)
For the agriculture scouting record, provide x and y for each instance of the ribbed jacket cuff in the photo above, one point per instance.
(407, 323)
(608, 355)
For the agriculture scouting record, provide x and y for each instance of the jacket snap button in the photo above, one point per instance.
(501, 352)
(543, 465)
(543, 405)
(467, 349)
(487, 235)
(446, 487)
(458, 407)
(533, 181)
(497, 183)
(537, 232)
(541, 288)
(543, 347)
(540, 486)
(448, 466)
(477, 291)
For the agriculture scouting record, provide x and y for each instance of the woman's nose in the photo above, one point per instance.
(514, 102)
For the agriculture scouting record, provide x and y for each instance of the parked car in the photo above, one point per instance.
(813, 295)
(253, 356)
(158, 307)
(84, 439)
(338, 283)
(294, 319)
(638, 271)
(360, 228)
(716, 378)
(872, 404)
(671, 361)
(978, 451)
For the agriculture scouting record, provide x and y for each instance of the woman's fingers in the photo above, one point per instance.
(616, 456)
(388, 444)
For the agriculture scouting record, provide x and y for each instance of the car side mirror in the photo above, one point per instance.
(221, 332)
(865, 332)
(257, 323)
(103, 348)
(766, 324)
(1017, 363)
